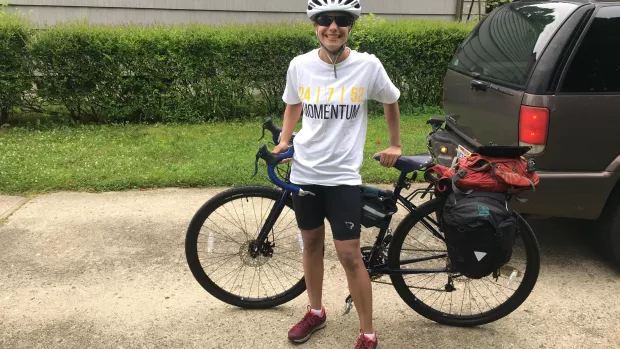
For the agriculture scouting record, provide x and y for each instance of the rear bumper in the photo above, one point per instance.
(559, 194)
(570, 195)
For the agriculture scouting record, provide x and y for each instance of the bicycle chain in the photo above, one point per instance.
(419, 288)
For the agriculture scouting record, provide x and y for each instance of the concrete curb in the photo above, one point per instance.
(10, 204)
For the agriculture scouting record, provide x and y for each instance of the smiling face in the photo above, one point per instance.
(333, 29)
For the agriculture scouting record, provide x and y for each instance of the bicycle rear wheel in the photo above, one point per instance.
(225, 258)
(449, 298)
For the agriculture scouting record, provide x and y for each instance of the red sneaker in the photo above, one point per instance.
(311, 322)
(364, 342)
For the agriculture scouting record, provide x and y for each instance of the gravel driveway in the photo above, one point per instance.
(108, 270)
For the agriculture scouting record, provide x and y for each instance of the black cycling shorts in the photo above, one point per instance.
(341, 205)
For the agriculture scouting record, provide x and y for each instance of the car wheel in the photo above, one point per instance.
(610, 229)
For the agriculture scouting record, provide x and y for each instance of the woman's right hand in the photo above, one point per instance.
(280, 149)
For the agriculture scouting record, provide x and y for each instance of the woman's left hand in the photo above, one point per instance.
(389, 156)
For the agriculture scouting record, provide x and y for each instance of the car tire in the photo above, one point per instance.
(610, 229)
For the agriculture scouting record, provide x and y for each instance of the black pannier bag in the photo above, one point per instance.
(479, 228)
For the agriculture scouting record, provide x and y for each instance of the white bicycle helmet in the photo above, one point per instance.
(351, 7)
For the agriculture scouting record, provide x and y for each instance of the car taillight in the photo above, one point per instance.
(533, 127)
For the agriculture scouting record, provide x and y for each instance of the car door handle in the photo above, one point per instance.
(479, 85)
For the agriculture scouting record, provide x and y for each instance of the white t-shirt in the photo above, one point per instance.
(330, 145)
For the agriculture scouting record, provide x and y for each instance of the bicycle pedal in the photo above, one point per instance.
(348, 305)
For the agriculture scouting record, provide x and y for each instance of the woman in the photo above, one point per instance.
(331, 86)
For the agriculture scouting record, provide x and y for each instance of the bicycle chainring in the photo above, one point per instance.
(382, 259)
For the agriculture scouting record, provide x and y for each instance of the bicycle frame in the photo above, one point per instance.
(378, 247)
(376, 268)
(383, 269)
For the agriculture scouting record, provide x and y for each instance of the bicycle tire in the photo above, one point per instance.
(196, 267)
(523, 291)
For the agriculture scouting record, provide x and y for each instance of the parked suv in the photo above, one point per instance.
(545, 74)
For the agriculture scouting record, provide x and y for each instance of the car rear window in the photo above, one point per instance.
(596, 66)
(507, 44)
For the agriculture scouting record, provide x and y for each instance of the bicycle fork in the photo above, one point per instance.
(273, 217)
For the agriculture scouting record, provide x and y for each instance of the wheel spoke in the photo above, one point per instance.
(248, 271)
(276, 275)
(427, 294)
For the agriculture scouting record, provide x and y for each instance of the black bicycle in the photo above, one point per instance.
(244, 248)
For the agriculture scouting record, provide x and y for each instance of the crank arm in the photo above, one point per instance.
(348, 305)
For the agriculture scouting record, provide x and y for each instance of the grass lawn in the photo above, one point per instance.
(106, 158)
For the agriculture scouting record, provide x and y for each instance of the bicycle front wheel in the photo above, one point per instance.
(450, 298)
(225, 257)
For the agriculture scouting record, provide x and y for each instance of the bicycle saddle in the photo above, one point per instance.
(410, 163)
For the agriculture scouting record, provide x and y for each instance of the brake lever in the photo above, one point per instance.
(267, 124)
(263, 135)
(256, 164)
(265, 154)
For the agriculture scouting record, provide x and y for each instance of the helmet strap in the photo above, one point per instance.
(333, 55)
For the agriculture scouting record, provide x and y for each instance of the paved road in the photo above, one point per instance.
(84, 270)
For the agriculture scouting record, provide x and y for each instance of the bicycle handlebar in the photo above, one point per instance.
(272, 161)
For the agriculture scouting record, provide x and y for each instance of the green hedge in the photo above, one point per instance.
(15, 70)
(197, 73)
(181, 74)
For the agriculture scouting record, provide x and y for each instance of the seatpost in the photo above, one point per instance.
(401, 184)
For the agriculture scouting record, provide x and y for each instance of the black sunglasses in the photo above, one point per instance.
(341, 21)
